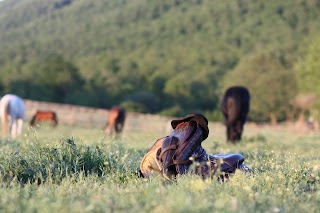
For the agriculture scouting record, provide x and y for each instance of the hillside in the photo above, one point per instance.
(150, 56)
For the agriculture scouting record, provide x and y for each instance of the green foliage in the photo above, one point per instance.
(178, 52)
(57, 75)
(134, 106)
(174, 111)
(307, 70)
(147, 101)
(214, 115)
(34, 163)
(270, 82)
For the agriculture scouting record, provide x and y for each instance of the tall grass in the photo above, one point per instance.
(35, 163)
(72, 175)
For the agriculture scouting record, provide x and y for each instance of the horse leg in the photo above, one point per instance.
(120, 126)
(54, 121)
(5, 126)
(108, 129)
(229, 132)
(33, 121)
(14, 127)
(117, 127)
(19, 128)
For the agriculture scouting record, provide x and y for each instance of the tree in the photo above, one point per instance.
(270, 83)
(58, 76)
(308, 70)
(193, 92)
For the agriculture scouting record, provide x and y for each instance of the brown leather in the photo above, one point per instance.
(187, 148)
(196, 117)
(170, 155)
(178, 147)
(149, 165)
(165, 156)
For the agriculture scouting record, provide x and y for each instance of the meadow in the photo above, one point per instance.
(77, 169)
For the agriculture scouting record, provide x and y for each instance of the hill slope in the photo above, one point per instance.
(147, 51)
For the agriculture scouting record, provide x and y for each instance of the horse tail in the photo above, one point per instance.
(33, 121)
(4, 118)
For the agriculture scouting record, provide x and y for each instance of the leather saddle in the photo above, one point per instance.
(178, 147)
(174, 163)
(181, 152)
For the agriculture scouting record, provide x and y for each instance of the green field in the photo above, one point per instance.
(73, 169)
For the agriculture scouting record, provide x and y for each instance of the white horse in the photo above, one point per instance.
(12, 106)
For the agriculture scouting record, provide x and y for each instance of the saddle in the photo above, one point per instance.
(224, 164)
(181, 152)
(178, 147)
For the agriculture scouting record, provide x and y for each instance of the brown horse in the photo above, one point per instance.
(41, 116)
(117, 116)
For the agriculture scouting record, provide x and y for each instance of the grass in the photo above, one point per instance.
(73, 169)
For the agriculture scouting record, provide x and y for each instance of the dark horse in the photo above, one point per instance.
(116, 119)
(235, 107)
(41, 116)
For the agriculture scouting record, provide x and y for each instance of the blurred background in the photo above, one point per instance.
(166, 57)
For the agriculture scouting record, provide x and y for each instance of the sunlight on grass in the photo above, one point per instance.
(72, 169)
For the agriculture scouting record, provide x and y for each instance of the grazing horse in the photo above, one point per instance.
(41, 116)
(235, 107)
(117, 116)
(12, 106)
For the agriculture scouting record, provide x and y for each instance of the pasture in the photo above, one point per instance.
(79, 169)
